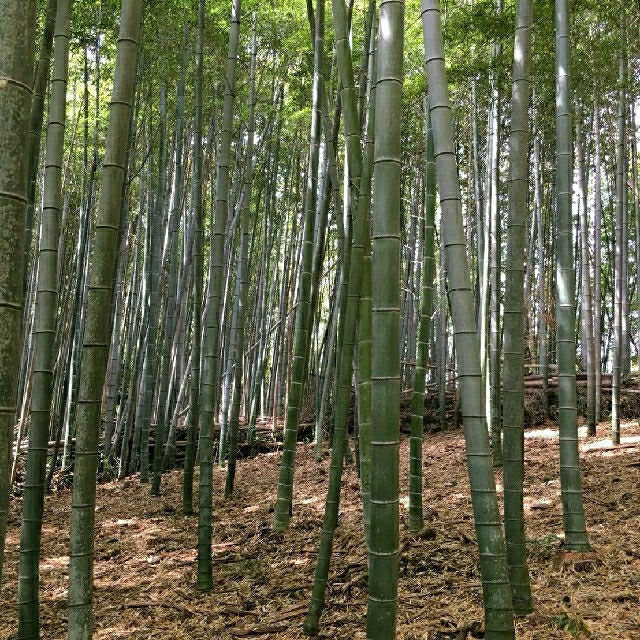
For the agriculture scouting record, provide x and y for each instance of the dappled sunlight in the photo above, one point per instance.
(146, 550)
(552, 433)
(54, 563)
(563, 292)
(531, 503)
(109, 524)
(607, 444)
(546, 433)
(385, 28)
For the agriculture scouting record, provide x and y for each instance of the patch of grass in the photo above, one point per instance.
(575, 625)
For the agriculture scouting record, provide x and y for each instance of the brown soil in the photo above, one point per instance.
(145, 554)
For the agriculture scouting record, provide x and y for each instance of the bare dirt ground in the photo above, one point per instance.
(145, 554)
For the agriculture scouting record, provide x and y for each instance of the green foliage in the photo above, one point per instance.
(575, 625)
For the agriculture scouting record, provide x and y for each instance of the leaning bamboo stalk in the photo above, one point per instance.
(493, 562)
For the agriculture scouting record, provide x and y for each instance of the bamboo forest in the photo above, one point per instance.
(320, 318)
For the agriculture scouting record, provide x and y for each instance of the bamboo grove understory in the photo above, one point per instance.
(226, 226)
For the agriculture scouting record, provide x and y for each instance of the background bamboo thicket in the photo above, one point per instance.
(289, 248)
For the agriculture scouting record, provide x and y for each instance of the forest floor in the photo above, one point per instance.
(145, 553)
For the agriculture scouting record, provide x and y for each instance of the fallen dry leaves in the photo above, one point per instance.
(145, 554)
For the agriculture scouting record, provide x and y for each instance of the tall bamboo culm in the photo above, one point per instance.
(214, 309)
(283, 506)
(416, 519)
(571, 483)
(44, 335)
(494, 570)
(514, 345)
(16, 75)
(384, 536)
(98, 324)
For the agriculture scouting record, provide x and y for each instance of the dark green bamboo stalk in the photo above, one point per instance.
(385, 362)
(98, 321)
(40, 84)
(16, 65)
(365, 65)
(364, 312)
(283, 506)
(618, 332)
(44, 332)
(171, 268)
(384, 538)
(571, 483)
(493, 562)
(416, 519)
(350, 323)
(588, 344)
(243, 272)
(513, 385)
(212, 329)
(196, 391)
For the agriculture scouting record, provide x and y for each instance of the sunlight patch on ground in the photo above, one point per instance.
(110, 524)
(538, 503)
(252, 509)
(54, 563)
(607, 443)
(548, 434)
(551, 433)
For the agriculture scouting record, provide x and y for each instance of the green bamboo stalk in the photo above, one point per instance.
(196, 391)
(243, 272)
(212, 328)
(171, 267)
(98, 320)
(283, 506)
(44, 332)
(493, 562)
(575, 529)
(210, 378)
(588, 344)
(330, 135)
(416, 519)
(542, 318)
(384, 538)
(597, 259)
(134, 350)
(16, 64)
(40, 84)
(364, 312)
(350, 323)
(156, 235)
(140, 448)
(513, 385)
(618, 312)
(495, 409)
